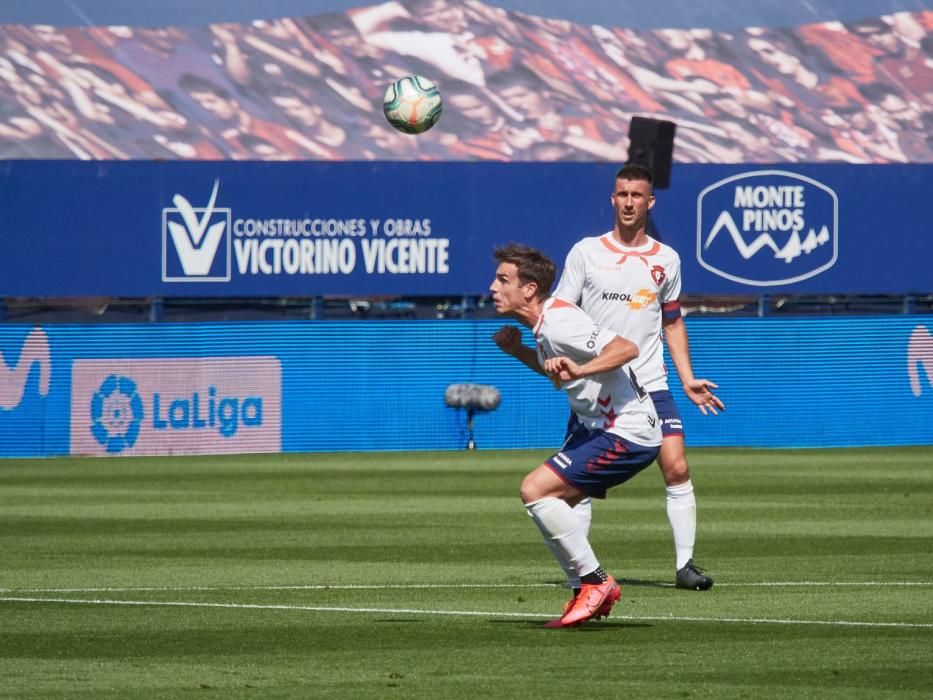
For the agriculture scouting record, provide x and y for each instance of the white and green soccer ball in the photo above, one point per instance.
(412, 104)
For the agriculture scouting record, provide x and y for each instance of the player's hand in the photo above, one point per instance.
(700, 392)
(509, 339)
(562, 368)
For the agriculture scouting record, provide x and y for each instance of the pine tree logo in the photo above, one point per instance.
(767, 228)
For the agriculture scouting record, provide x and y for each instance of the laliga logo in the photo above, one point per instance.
(767, 227)
(13, 378)
(116, 412)
(196, 241)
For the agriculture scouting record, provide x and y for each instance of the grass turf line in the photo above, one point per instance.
(828, 516)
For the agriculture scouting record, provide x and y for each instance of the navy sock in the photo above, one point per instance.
(597, 577)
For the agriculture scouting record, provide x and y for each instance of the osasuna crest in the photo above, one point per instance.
(767, 228)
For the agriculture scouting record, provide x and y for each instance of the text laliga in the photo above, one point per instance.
(225, 415)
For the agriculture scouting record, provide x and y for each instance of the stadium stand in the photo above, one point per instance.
(519, 87)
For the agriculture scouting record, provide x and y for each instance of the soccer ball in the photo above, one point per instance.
(412, 104)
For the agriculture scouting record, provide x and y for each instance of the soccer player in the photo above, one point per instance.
(617, 432)
(630, 283)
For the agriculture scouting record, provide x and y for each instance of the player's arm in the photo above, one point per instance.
(570, 286)
(617, 352)
(678, 347)
(509, 340)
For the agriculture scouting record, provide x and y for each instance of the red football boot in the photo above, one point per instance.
(594, 599)
(603, 596)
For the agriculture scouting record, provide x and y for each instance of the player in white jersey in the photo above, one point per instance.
(630, 283)
(618, 433)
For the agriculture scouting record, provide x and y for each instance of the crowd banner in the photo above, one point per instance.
(325, 386)
(246, 229)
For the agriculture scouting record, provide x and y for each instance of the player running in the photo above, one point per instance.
(616, 431)
(630, 283)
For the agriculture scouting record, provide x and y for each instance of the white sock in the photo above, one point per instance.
(565, 536)
(682, 513)
(583, 511)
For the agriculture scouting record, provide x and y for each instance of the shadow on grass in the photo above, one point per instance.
(634, 582)
(639, 583)
(599, 626)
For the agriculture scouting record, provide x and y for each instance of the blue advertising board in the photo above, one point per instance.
(247, 229)
(322, 386)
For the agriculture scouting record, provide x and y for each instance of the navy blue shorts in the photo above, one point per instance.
(668, 413)
(671, 424)
(593, 462)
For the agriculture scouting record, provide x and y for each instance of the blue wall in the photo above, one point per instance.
(116, 229)
(371, 385)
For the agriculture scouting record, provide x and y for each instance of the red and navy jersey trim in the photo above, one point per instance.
(670, 311)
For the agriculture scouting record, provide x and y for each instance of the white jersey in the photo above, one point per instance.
(609, 401)
(626, 290)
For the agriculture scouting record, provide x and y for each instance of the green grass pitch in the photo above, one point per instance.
(420, 576)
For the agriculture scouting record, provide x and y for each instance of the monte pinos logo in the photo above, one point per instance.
(767, 228)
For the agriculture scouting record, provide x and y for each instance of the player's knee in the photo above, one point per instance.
(528, 491)
(534, 486)
(676, 471)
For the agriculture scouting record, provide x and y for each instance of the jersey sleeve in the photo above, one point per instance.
(670, 287)
(570, 286)
(670, 290)
(574, 334)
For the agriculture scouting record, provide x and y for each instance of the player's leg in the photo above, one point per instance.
(549, 501)
(584, 513)
(572, 477)
(577, 432)
(583, 510)
(681, 500)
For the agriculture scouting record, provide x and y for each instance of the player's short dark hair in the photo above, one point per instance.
(634, 171)
(532, 265)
